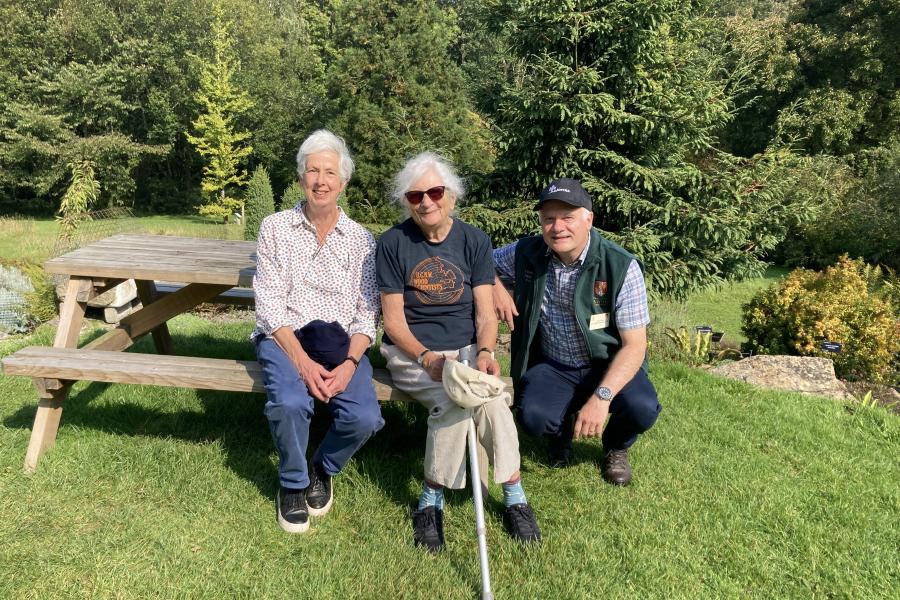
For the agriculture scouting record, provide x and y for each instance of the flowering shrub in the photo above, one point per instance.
(848, 303)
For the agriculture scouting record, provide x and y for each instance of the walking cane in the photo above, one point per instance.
(475, 477)
(470, 388)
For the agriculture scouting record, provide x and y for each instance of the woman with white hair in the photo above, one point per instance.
(435, 274)
(316, 314)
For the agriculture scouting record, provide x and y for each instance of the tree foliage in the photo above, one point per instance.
(395, 92)
(81, 194)
(704, 130)
(218, 139)
(259, 201)
(291, 196)
(623, 96)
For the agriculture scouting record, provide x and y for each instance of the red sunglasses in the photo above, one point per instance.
(435, 193)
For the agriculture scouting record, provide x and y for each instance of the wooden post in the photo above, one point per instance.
(46, 420)
(161, 338)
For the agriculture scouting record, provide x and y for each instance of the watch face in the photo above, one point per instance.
(605, 393)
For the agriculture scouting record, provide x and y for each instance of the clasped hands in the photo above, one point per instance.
(322, 383)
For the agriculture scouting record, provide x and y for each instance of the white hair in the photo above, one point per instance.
(323, 140)
(427, 162)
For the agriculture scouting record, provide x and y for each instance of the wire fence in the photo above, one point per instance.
(15, 285)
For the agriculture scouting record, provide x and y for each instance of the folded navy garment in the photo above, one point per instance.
(326, 343)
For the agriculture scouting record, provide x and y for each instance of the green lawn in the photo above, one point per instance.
(718, 308)
(168, 493)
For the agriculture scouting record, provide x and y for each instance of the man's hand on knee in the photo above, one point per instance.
(591, 418)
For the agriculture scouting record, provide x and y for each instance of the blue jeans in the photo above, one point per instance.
(355, 412)
(550, 394)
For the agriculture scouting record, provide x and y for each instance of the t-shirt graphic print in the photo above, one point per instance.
(437, 281)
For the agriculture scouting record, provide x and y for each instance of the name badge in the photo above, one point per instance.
(599, 321)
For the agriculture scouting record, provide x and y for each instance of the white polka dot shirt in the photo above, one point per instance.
(298, 281)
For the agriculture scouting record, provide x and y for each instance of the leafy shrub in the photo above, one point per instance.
(848, 303)
(40, 302)
(258, 203)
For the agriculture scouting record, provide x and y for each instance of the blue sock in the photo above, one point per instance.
(431, 497)
(514, 494)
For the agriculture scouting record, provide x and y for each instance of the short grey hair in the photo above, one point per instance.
(418, 166)
(322, 140)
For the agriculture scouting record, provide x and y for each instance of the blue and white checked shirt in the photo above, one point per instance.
(558, 314)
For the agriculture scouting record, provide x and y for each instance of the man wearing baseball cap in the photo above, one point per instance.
(579, 317)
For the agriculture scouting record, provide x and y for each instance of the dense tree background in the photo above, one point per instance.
(714, 135)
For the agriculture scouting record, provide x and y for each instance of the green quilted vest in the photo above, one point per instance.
(596, 289)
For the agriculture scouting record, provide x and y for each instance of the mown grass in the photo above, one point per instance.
(168, 493)
(719, 308)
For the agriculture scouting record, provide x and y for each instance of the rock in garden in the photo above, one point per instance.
(804, 374)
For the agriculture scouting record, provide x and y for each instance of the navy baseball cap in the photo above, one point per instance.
(565, 190)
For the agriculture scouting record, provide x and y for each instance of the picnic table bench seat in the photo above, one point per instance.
(78, 364)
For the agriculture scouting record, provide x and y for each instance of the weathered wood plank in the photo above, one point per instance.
(50, 404)
(234, 296)
(161, 338)
(188, 260)
(151, 369)
(138, 324)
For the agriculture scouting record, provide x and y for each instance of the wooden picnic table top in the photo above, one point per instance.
(162, 257)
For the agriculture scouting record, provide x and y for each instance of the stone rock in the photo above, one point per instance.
(804, 374)
(120, 295)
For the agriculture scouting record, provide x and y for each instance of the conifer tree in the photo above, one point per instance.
(218, 139)
(291, 196)
(260, 202)
(622, 95)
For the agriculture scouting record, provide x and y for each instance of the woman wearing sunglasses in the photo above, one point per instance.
(435, 274)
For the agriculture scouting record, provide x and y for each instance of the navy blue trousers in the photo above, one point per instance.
(550, 394)
(356, 416)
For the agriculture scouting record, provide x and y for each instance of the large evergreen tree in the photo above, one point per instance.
(218, 138)
(622, 95)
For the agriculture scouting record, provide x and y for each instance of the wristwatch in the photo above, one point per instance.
(421, 358)
(604, 393)
(488, 350)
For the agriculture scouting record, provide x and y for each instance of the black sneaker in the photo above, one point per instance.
(520, 523)
(319, 494)
(428, 528)
(293, 515)
(559, 452)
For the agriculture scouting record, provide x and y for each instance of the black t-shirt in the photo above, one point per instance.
(436, 280)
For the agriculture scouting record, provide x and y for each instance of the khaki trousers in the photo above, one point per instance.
(448, 424)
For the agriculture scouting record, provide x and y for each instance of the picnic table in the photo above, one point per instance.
(195, 271)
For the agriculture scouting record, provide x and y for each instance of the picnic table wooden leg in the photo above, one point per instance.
(46, 420)
(161, 337)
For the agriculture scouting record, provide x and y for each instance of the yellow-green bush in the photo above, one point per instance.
(847, 303)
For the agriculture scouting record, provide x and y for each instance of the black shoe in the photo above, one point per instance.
(520, 523)
(293, 515)
(615, 467)
(559, 452)
(428, 528)
(319, 494)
